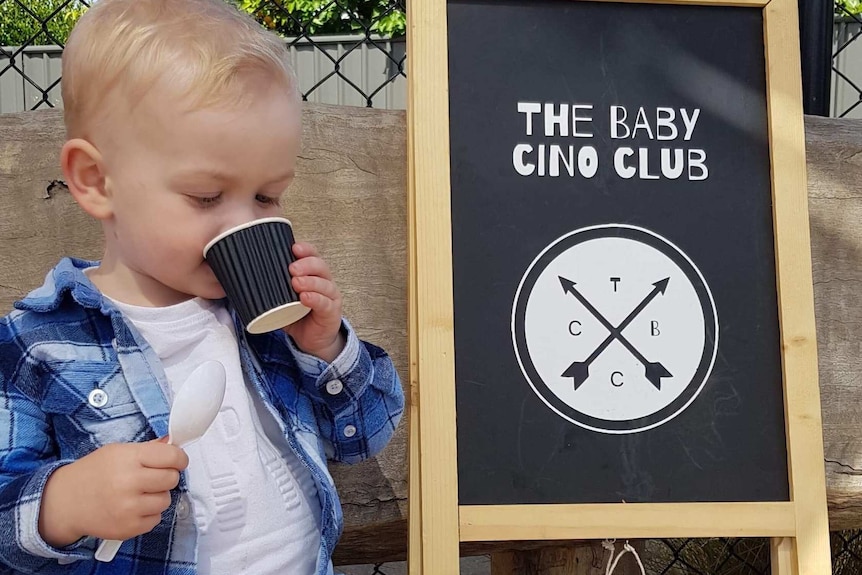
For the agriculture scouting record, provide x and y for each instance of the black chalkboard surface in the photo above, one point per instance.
(615, 313)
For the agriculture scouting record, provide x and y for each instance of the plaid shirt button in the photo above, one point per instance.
(98, 398)
(182, 508)
(334, 387)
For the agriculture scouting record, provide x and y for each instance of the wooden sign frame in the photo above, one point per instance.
(798, 527)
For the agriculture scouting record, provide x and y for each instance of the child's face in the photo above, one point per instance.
(179, 177)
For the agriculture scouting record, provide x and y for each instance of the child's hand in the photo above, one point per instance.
(118, 491)
(318, 333)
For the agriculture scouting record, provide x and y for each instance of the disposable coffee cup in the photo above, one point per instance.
(250, 261)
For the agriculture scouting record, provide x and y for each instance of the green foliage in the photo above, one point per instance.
(22, 23)
(50, 21)
(293, 17)
(848, 7)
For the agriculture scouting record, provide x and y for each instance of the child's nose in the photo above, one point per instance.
(239, 215)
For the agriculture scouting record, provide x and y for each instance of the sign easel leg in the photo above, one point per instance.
(783, 556)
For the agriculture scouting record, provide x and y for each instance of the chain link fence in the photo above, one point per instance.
(846, 88)
(364, 64)
(347, 52)
(740, 556)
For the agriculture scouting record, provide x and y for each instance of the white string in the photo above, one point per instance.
(612, 561)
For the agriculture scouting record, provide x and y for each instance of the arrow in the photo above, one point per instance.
(569, 287)
(659, 288)
(579, 371)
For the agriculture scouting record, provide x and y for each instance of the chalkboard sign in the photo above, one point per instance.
(622, 266)
(616, 315)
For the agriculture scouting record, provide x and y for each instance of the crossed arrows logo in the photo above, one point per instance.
(579, 371)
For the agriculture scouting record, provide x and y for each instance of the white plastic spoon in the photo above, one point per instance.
(195, 407)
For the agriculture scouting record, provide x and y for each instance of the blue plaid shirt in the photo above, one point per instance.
(64, 340)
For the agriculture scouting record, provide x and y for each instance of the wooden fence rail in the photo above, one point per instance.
(350, 198)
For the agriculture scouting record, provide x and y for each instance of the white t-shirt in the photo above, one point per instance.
(255, 503)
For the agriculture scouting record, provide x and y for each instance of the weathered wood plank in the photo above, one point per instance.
(350, 199)
(834, 160)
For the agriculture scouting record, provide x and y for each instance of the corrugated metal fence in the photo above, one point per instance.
(353, 71)
(345, 70)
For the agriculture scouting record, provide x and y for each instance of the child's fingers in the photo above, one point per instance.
(154, 503)
(149, 522)
(159, 480)
(310, 266)
(316, 284)
(160, 456)
(304, 250)
(318, 302)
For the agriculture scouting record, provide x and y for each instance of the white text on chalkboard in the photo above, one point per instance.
(543, 157)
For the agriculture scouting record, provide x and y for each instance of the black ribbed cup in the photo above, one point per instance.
(250, 261)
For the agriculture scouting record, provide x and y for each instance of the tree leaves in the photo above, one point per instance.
(34, 22)
(848, 7)
(292, 18)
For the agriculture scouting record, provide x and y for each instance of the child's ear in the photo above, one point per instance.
(85, 177)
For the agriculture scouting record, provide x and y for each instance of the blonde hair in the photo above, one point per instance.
(205, 49)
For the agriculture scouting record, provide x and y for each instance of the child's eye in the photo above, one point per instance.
(207, 201)
(267, 200)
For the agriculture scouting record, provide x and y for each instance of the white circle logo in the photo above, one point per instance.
(615, 328)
